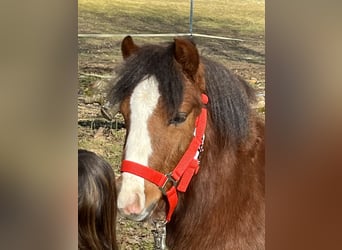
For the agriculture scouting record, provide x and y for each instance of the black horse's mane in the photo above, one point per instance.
(229, 95)
(150, 60)
(230, 98)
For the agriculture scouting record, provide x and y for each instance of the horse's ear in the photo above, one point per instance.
(128, 47)
(186, 54)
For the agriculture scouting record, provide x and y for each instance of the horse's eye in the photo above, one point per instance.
(179, 118)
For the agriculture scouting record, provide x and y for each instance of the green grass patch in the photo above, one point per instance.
(217, 17)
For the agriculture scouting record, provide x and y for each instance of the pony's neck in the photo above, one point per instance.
(218, 198)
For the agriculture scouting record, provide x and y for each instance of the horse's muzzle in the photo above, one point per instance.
(142, 216)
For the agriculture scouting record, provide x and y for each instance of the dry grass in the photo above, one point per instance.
(234, 18)
(241, 18)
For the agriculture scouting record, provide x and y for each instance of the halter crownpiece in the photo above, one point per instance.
(181, 176)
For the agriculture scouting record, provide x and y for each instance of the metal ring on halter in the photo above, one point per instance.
(159, 234)
(169, 179)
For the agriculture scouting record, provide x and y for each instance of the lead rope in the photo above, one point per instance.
(159, 234)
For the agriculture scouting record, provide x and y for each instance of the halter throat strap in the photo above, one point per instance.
(186, 168)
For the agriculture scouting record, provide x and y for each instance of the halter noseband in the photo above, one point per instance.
(181, 176)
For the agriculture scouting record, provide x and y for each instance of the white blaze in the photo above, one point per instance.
(143, 101)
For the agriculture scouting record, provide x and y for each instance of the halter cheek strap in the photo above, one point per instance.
(181, 176)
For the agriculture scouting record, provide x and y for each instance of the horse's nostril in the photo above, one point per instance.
(134, 207)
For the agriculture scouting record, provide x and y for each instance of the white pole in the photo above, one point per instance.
(191, 15)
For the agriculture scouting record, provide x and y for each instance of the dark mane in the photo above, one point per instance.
(229, 95)
(151, 60)
(229, 106)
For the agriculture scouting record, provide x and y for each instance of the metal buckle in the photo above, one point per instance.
(169, 179)
(159, 234)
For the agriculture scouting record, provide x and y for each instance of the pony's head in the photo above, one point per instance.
(159, 90)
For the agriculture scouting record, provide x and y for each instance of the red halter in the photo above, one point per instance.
(181, 176)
